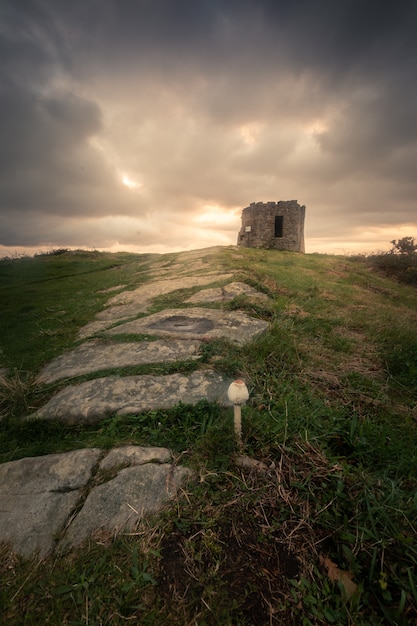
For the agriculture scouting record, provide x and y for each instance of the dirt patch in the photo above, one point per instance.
(293, 310)
(245, 556)
(274, 288)
(251, 564)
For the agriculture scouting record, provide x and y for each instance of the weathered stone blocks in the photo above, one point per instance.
(278, 225)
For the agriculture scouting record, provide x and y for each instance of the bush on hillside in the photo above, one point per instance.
(406, 245)
(400, 261)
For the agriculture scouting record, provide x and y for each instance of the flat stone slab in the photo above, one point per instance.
(226, 293)
(190, 261)
(81, 494)
(96, 399)
(196, 323)
(118, 505)
(94, 356)
(130, 303)
(37, 496)
(134, 455)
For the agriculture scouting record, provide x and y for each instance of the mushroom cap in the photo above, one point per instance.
(238, 392)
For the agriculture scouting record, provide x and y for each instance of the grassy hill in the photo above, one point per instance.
(322, 531)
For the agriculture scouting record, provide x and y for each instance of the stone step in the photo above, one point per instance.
(226, 293)
(44, 498)
(96, 399)
(196, 323)
(130, 303)
(94, 356)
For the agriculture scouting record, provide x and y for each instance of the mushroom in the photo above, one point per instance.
(238, 394)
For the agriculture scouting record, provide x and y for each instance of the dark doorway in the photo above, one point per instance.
(279, 222)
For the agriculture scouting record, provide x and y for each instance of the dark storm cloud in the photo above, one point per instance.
(204, 103)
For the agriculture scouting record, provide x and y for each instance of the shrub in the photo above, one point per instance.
(400, 262)
(406, 245)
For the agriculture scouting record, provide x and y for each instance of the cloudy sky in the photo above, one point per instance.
(147, 125)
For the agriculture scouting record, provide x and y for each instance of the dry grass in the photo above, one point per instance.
(17, 392)
(241, 554)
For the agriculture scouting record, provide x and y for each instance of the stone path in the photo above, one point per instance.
(129, 395)
(130, 303)
(95, 355)
(56, 501)
(194, 323)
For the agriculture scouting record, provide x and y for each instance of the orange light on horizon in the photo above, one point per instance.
(215, 215)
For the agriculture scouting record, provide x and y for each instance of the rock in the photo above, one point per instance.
(196, 323)
(202, 261)
(38, 495)
(44, 497)
(94, 356)
(75, 496)
(226, 293)
(131, 303)
(96, 399)
(118, 505)
(134, 455)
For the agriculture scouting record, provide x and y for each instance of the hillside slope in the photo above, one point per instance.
(314, 524)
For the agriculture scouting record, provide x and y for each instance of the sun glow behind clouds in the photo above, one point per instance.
(250, 133)
(115, 164)
(131, 184)
(318, 126)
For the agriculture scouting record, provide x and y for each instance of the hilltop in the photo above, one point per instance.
(317, 527)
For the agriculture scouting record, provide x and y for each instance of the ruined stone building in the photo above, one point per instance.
(278, 225)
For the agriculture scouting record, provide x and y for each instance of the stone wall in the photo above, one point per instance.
(278, 225)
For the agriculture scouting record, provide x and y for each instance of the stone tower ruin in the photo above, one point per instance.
(278, 225)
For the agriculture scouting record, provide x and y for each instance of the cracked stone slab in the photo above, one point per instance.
(134, 455)
(42, 497)
(195, 261)
(226, 293)
(94, 356)
(196, 323)
(37, 495)
(96, 399)
(130, 303)
(118, 505)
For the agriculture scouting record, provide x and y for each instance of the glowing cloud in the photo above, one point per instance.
(131, 184)
(214, 216)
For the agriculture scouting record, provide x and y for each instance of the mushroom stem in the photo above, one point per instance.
(238, 393)
(238, 422)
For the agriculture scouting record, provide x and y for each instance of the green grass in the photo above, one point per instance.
(45, 300)
(331, 415)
